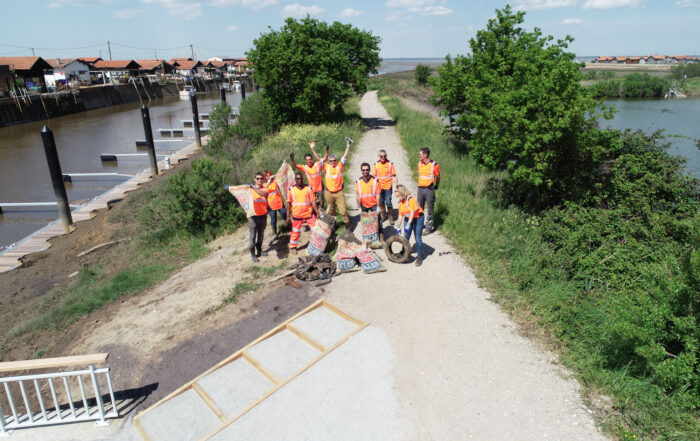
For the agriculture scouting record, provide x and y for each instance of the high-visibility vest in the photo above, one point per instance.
(259, 202)
(313, 175)
(409, 205)
(334, 177)
(384, 173)
(367, 192)
(427, 173)
(301, 199)
(274, 196)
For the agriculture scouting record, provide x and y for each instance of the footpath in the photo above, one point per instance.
(438, 361)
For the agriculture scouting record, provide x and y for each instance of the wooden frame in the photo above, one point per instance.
(243, 353)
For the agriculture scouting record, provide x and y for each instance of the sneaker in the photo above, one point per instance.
(255, 259)
(264, 254)
(427, 231)
(419, 261)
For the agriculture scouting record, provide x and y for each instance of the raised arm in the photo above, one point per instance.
(312, 144)
(291, 159)
(347, 150)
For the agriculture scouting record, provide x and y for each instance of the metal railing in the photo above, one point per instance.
(43, 402)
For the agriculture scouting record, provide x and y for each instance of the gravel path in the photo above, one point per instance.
(460, 369)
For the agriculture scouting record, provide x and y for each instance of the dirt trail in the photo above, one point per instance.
(461, 370)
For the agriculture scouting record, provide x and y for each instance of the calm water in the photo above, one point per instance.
(80, 139)
(676, 116)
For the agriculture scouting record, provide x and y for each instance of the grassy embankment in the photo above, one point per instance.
(168, 226)
(614, 75)
(510, 258)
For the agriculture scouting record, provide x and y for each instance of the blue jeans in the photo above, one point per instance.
(273, 215)
(416, 226)
(385, 199)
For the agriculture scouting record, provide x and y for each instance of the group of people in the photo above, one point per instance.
(373, 193)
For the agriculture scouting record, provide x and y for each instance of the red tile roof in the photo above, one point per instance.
(188, 64)
(24, 63)
(59, 62)
(116, 64)
(151, 64)
(658, 57)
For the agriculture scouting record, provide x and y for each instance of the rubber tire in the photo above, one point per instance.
(403, 255)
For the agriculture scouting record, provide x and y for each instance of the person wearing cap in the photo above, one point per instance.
(312, 170)
(385, 172)
(428, 182)
(333, 180)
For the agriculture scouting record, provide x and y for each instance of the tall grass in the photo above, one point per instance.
(511, 260)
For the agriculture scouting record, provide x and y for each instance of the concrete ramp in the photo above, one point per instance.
(211, 402)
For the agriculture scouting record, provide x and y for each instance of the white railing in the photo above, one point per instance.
(36, 390)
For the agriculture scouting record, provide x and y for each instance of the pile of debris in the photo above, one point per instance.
(311, 268)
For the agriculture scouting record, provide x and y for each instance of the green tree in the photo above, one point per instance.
(309, 68)
(423, 72)
(517, 101)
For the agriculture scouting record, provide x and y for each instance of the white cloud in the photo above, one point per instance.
(687, 4)
(183, 8)
(422, 7)
(432, 10)
(125, 14)
(350, 12)
(572, 21)
(231, 28)
(300, 11)
(610, 4)
(258, 4)
(532, 5)
(59, 3)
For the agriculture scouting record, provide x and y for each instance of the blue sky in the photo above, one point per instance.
(408, 28)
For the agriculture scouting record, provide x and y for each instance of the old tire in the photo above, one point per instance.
(403, 255)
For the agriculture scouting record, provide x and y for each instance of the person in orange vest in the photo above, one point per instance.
(411, 220)
(275, 202)
(366, 190)
(333, 180)
(428, 182)
(258, 221)
(302, 205)
(312, 170)
(385, 172)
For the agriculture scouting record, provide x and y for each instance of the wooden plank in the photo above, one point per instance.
(260, 367)
(278, 387)
(46, 363)
(302, 335)
(209, 401)
(142, 432)
(343, 315)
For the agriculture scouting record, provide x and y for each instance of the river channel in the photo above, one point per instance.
(80, 139)
(675, 116)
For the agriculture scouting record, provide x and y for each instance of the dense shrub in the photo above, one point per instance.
(685, 70)
(422, 74)
(195, 200)
(255, 120)
(634, 85)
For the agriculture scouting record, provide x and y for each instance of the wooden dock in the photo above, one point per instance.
(39, 240)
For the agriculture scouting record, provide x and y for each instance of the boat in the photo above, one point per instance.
(185, 93)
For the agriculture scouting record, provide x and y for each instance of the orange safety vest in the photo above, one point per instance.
(384, 173)
(313, 175)
(301, 200)
(274, 197)
(427, 173)
(367, 191)
(334, 177)
(259, 202)
(409, 205)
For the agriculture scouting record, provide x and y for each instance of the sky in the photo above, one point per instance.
(139, 29)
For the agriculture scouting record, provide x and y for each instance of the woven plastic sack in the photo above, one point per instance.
(370, 227)
(369, 261)
(320, 234)
(345, 256)
(243, 194)
(285, 178)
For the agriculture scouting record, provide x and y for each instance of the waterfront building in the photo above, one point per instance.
(28, 72)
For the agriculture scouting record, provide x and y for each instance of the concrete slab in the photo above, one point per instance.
(349, 395)
(185, 417)
(324, 326)
(284, 354)
(236, 386)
